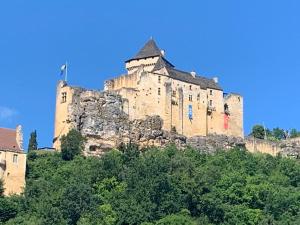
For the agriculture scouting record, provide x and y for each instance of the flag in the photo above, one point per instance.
(63, 69)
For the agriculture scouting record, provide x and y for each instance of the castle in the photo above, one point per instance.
(188, 104)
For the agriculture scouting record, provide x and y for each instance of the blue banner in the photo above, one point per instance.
(190, 112)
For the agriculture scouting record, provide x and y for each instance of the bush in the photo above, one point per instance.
(72, 144)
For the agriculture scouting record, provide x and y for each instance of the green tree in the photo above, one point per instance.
(8, 209)
(33, 141)
(294, 133)
(71, 144)
(1, 188)
(177, 219)
(278, 133)
(258, 131)
(76, 200)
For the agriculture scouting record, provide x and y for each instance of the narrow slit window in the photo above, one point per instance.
(159, 79)
(158, 91)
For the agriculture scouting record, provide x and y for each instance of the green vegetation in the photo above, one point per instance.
(71, 144)
(294, 133)
(33, 141)
(1, 188)
(157, 187)
(258, 131)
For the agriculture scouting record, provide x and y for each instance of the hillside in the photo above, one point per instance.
(154, 186)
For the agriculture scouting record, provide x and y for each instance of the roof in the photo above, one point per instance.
(203, 82)
(150, 49)
(8, 140)
(161, 63)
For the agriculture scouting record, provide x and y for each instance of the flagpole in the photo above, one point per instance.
(66, 75)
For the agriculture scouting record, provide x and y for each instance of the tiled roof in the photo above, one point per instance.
(161, 63)
(203, 82)
(150, 49)
(8, 140)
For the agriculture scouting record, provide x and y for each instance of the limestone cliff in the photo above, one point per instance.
(100, 117)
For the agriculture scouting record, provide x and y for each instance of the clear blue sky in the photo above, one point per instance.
(252, 46)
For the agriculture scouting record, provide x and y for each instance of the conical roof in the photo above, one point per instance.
(150, 49)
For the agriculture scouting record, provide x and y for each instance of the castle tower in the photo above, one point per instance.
(64, 95)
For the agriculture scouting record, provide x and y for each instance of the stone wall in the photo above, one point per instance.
(101, 118)
(289, 147)
(12, 171)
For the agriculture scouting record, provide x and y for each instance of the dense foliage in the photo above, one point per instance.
(71, 144)
(160, 187)
(260, 132)
(32, 144)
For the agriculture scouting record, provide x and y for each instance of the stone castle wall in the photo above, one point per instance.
(101, 118)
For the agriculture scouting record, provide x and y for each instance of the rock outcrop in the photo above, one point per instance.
(99, 116)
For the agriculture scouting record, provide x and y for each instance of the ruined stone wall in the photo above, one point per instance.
(289, 147)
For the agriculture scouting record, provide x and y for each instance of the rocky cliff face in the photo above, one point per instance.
(99, 116)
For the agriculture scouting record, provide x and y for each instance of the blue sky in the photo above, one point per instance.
(252, 46)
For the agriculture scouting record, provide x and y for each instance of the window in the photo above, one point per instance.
(211, 92)
(198, 97)
(190, 87)
(173, 93)
(64, 97)
(159, 79)
(190, 98)
(210, 102)
(226, 108)
(158, 91)
(15, 158)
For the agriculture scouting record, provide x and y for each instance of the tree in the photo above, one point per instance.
(7, 209)
(71, 144)
(258, 131)
(77, 199)
(176, 219)
(33, 141)
(278, 133)
(1, 188)
(294, 133)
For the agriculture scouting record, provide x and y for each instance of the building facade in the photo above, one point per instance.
(12, 160)
(189, 104)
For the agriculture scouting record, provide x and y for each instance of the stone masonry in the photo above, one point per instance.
(100, 117)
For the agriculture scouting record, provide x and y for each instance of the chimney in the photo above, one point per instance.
(162, 52)
(216, 80)
(193, 73)
(19, 136)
